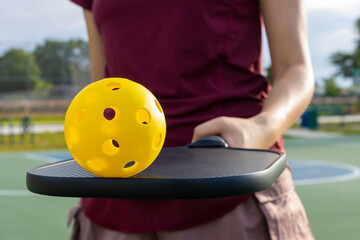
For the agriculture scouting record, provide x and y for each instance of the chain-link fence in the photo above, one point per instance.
(43, 77)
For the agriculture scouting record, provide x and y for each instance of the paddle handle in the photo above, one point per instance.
(209, 142)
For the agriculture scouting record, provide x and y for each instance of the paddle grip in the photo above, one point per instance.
(209, 142)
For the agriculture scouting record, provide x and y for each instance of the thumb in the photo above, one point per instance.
(211, 127)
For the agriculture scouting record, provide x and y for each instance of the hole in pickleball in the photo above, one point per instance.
(115, 143)
(143, 116)
(157, 140)
(111, 113)
(80, 116)
(113, 86)
(158, 106)
(110, 147)
(129, 164)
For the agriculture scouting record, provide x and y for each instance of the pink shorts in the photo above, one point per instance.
(276, 213)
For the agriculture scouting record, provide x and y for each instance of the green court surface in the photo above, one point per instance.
(26, 216)
(333, 208)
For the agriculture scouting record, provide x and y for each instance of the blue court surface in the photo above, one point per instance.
(305, 172)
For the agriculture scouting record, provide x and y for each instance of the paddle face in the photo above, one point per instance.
(177, 173)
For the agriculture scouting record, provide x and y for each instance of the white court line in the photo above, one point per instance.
(354, 173)
(16, 193)
(26, 193)
(342, 178)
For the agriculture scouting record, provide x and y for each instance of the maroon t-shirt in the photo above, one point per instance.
(201, 59)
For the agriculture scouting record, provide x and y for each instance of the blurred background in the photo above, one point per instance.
(44, 63)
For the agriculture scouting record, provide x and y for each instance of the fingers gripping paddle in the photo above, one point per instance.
(204, 169)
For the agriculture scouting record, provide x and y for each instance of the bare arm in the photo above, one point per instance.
(97, 55)
(293, 86)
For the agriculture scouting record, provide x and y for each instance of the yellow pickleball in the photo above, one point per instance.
(115, 128)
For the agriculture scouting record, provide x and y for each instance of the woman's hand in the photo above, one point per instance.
(252, 132)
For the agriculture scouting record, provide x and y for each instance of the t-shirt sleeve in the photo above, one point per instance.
(87, 4)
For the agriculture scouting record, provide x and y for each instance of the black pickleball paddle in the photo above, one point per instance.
(204, 169)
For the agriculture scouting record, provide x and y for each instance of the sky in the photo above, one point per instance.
(24, 24)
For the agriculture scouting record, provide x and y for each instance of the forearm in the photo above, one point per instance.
(293, 81)
(291, 94)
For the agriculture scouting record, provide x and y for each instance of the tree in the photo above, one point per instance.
(19, 71)
(59, 59)
(331, 88)
(348, 64)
